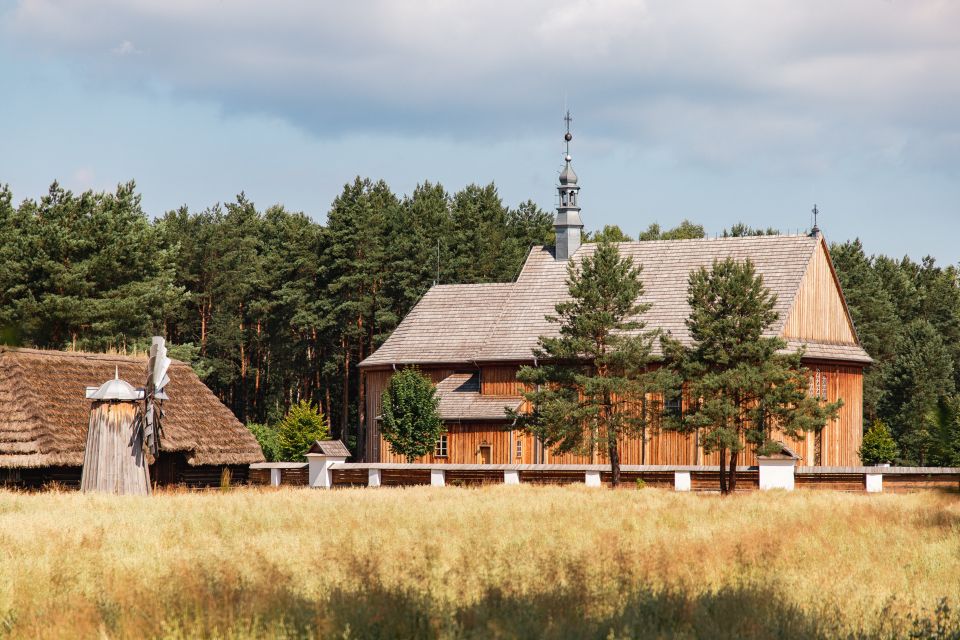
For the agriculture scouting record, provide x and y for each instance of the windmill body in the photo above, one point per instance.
(125, 424)
(114, 460)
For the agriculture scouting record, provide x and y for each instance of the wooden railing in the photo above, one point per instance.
(679, 478)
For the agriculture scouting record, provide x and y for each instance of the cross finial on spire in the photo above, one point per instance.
(816, 229)
(568, 136)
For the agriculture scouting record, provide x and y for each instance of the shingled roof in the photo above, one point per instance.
(460, 399)
(44, 414)
(502, 322)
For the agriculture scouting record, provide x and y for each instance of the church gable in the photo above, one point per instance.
(819, 312)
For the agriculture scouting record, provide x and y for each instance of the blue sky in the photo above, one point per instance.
(717, 112)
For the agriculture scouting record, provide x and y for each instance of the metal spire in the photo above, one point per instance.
(816, 212)
(567, 224)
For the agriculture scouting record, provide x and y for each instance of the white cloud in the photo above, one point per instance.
(706, 81)
(125, 48)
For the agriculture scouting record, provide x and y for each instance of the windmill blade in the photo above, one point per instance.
(157, 379)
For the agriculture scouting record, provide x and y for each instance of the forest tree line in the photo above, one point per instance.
(272, 307)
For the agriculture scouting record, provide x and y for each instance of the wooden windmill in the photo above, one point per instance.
(125, 423)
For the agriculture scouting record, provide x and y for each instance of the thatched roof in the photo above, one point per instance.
(44, 415)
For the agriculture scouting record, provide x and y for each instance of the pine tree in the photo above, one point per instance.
(303, 425)
(878, 445)
(686, 230)
(743, 385)
(410, 421)
(919, 377)
(590, 382)
(353, 267)
(610, 233)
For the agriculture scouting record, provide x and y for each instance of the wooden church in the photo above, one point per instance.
(471, 339)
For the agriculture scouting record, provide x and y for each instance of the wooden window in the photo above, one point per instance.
(673, 405)
(519, 446)
(441, 450)
(818, 384)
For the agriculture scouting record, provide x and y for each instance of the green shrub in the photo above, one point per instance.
(303, 424)
(641, 483)
(878, 445)
(268, 440)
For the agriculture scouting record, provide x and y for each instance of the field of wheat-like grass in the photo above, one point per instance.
(493, 562)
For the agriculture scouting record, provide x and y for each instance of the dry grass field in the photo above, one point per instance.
(493, 562)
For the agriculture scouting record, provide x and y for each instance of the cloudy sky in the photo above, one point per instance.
(714, 111)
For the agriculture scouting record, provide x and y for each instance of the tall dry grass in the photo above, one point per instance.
(494, 562)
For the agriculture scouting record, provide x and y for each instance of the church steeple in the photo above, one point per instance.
(567, 223)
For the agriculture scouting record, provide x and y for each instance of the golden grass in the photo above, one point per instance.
(498, 561)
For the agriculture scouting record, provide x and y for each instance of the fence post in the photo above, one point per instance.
(437, 477)
(592, 478)
(511, 476)
(321, 472)
(373, 477)
(777, 472)
(681, 481)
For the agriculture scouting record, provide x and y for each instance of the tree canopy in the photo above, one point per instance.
(410, 421)
(742, 388)
(590, 379)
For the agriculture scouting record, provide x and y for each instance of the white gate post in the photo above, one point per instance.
(681, 481)
(373, 477)
(275, 477)
(511, 476)
(437, 477)
(592, 478)
(321, 473)
(874, 483)
(776, 472)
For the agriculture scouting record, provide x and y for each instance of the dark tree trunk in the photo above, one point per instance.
(732, 483)
(723, 475)
(614, 460)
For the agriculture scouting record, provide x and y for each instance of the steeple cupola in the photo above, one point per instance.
(567, 223)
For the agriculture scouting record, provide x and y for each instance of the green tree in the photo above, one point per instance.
(686, 230)
(878, 445)
(610, 233)
(303, 425)
(269, 440)
(741, 230)
(917, 380)
(410, 421)
(591, 381)
(744, 386)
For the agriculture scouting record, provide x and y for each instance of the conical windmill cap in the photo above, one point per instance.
(115, 389)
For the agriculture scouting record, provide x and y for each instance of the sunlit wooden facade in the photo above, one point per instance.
(477, 336)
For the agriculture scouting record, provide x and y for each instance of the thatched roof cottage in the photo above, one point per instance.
(44, 416)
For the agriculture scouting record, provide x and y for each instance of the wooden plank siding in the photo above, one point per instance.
(818, 313)
(839, 441)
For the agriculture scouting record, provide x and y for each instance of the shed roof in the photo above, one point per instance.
(330, 448)
(503, 322)
(460, 399)
(44, 414)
